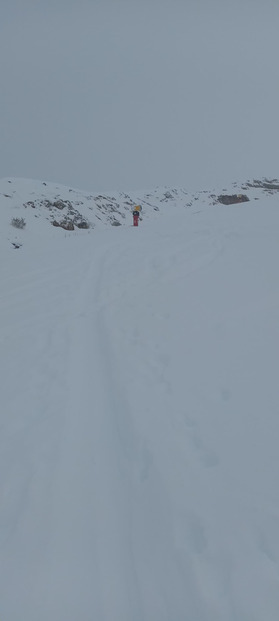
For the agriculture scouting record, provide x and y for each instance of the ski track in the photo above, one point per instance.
(96, 499)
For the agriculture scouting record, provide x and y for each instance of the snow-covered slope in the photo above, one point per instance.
(139, 408)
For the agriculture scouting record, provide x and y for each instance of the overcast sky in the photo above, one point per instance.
(121, 95)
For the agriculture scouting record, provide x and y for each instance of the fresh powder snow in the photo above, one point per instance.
(139, 413)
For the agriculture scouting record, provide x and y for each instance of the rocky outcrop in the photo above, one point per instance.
(67, 225)
(231, 199)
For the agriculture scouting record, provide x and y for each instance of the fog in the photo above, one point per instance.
(115, 95)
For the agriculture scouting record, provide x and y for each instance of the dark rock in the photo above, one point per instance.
(232, 199)
(65, 224)
(83, 224)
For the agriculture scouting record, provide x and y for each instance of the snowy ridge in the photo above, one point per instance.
(40, 203)
(139, 408)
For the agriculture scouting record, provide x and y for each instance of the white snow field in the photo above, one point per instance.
(139, 422)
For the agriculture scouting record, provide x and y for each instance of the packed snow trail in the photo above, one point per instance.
(93, 483)
(139, 426)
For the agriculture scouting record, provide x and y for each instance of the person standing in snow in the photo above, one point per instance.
(136, 217)
(136, 213)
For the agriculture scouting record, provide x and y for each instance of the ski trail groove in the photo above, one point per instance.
(92, 520)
